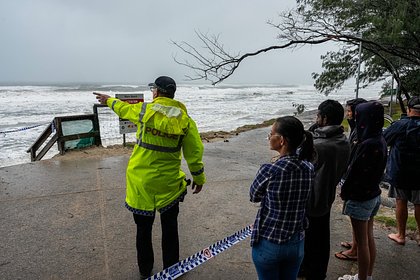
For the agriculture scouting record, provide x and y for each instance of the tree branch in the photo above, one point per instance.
(219, 65)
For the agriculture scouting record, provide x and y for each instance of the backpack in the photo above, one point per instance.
(409, 149)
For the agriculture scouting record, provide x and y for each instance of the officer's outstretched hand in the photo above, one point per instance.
(102, 98)
(196, 188)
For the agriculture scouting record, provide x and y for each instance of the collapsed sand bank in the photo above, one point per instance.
(307, 118)
(116, 150)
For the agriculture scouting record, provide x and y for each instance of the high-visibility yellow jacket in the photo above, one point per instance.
(154, 177)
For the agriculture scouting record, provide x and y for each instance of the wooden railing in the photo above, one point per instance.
(56, 129)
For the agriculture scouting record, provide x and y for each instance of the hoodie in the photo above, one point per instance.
(332, 152)
(352, 123)
(368, 156)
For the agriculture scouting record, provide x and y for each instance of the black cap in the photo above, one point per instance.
(165, 84)
(414, 103)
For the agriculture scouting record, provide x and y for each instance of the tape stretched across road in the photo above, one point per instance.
(22, 128)
(201, 257)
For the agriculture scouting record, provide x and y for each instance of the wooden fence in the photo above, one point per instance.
(56, 130)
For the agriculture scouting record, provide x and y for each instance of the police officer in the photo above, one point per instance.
(154, 177)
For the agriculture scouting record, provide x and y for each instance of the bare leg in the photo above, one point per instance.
(372, 247)
(354, 246)
(401, 215)
(352, 252)
(360, 229)
(417, 216)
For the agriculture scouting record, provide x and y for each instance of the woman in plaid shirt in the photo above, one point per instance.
(283, 189)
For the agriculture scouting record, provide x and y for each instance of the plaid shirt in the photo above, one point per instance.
(283, 189)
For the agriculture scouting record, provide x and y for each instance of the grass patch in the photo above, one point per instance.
(411, 223)
(387, 221)
(345, 124)
(396, 111)
(396, 115)
(391, 222)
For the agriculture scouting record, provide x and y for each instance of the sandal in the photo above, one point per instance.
(345, 257)
(346, 244)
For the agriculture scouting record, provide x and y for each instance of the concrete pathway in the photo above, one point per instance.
(66, 220)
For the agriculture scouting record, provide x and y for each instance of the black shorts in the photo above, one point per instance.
(411, 195)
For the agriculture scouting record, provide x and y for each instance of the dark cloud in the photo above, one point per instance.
(129, 41)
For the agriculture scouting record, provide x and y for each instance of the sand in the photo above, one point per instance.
(116, 150)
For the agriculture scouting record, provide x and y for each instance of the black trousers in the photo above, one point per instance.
(317, 248)
(170, 240)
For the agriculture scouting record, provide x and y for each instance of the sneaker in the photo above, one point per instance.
(348, 277)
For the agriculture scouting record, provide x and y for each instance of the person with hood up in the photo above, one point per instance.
(351, 252)
(360, 190)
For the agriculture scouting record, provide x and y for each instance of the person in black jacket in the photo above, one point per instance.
(360, 190)
(403, 136)
(351, 252)
(331, 154)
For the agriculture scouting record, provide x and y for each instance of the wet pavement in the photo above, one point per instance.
(67, 220)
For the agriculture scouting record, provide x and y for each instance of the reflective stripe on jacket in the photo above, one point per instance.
(154, 176)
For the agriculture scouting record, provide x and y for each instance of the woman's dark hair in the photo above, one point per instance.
(292, 129)
(352, 103)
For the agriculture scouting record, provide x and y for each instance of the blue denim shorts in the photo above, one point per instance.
(362, 210)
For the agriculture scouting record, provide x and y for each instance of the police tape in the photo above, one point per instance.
(201, 257)
(24, 128)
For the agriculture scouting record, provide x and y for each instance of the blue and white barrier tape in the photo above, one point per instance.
(22, 129)
(201, 257)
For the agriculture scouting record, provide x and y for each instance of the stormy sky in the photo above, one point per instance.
(129, 41)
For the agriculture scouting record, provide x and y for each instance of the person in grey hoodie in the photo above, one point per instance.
(332, 152)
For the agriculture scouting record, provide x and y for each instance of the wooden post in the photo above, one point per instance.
(98, 141)
(59, 133)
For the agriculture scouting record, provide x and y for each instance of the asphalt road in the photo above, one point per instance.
(66, 220)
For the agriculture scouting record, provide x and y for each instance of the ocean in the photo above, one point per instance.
(25, 111)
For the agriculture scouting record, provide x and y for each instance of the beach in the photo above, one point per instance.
(119, 149)
(307, 118)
